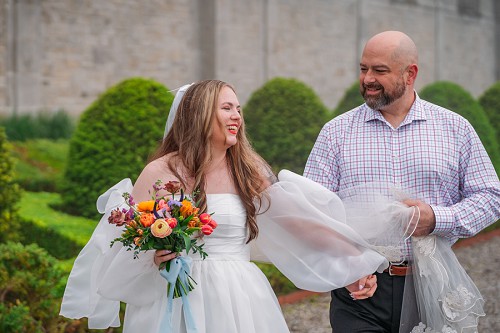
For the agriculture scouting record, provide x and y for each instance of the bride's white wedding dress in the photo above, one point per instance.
(231, 295)
(318, 241)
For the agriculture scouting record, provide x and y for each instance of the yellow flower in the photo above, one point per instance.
(146, 206)
(161, 229)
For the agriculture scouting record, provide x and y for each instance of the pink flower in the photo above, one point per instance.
(206, 229)
(212, 223)
(172, 222)
(163, 205)
(205, 218)
(117, 217)
(160, 228)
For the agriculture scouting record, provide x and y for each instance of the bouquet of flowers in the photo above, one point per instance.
(163, 223)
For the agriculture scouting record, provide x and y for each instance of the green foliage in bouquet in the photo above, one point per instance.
(30, 289)
(453, 97)
(351, 99)
(283, 119)
(113, 140)
(490, 101)
(9, 192)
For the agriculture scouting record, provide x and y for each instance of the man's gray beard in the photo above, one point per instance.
(377, 103)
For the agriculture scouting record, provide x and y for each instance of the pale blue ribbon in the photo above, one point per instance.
(179, 268)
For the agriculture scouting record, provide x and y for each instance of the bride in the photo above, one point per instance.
(301, 227)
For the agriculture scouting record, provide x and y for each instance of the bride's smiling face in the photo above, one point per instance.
(228, 119)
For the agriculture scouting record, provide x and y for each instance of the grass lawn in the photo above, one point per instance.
(36, 207)
(40, 163)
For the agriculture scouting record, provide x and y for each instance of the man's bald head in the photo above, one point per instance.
(396, 44)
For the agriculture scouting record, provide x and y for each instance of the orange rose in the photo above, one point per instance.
(147, 219)
(146, 206)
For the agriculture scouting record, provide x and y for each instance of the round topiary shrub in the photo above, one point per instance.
(490, 101)
(283, 119)
(453, 97)
(351, 99)
(112, 141)
(9, 192)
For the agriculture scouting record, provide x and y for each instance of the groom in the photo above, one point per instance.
(427, 150)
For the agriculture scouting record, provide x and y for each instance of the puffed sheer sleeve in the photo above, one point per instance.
(103, 276)
(80, 297)
(305, 230)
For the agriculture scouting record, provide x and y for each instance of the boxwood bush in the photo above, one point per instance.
(490, 101)
(112, 141)
(453, 97)
(283, 119)
(9, 192)
(351, 99)
(31, 288)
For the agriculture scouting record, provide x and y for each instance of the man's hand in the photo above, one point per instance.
(363, 288)
(427, 221)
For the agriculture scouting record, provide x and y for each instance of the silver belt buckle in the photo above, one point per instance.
(390, 270)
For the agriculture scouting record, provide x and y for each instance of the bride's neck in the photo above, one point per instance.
(218, 162)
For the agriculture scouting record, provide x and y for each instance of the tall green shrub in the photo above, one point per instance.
(283, 119)
(30, 289)
(112, 141)
(453, 97)
(9, 192)
(490, 101)
(351, 99)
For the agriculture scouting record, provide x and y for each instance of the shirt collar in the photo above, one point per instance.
(417, 112)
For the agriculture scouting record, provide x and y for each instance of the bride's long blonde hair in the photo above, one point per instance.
(189, 143)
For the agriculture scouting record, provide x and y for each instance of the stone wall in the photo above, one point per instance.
(63, 54)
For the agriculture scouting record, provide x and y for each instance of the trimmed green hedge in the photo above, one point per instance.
(9, 192)
(351, 99)
(40, 164)
(56, 244)
(283, 119)
(490, 101)
(45, 124)
(453, 97)
(113, 140)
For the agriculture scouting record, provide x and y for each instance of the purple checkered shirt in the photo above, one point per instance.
(434, 154)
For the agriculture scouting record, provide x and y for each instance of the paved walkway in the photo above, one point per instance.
(481, 260)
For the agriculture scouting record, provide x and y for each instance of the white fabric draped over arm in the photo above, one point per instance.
(304, 234)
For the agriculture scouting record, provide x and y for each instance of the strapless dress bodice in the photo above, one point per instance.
(228, 241)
